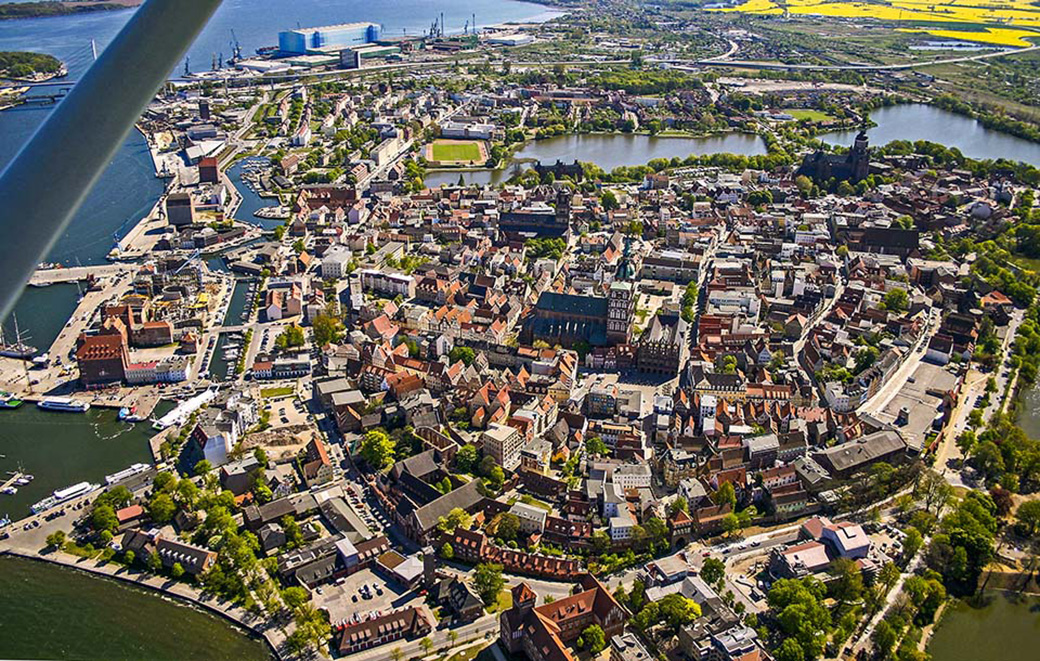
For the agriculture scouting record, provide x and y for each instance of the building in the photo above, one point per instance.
(659, 349)
(627, 647)
(209, 170)
(335, 262)
(503, 444)
(193, 559)
(180, 209)
(387, 284)
(408, 623)
(852, 167)
(327, 39)
(532, 519)
(542, 633)
(102, 359)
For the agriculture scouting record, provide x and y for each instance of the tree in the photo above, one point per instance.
(203, 467)
(161, 508)
(730, 523)
(488, 582)
(447, 552)
(465, 354)
(292, 336)
(912, 542)
(104, 518)
(187, 493)
(154, 562)
(327, 329)
(609, 200)
(934, 490)
(56, 540)
(453, 636)
(897, 300)
(457, 518)
(293, 533)
(1028, 516)
(466, 458)
(177, 570)
(847, 585)
(884, 639)
(800, 614)
(396, 654)
(713, 571)
(677, 611)
(427, 645)
(600, 542)
(295, 597)
(129, 557)
(508, 526)
(377, 449)
(725, 495)
(678, 505)
(595, 639)
(789, 650)
(594, 445)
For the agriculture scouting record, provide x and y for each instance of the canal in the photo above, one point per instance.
(1003, 627)
(917, 121)
(251, 200)
(50, 612)
(608, 151)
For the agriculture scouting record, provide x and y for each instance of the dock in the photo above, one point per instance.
(15, 476)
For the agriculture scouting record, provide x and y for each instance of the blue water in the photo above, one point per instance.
(127, 190)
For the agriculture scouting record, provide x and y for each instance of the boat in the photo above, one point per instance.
(63, 404)
(134, 469)
(5, 521)
(17, 349)
(126, 411)
(9, 401)
(64, 495)
(23, 480)
(9, 491)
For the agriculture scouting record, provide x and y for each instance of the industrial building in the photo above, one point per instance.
(327, 39)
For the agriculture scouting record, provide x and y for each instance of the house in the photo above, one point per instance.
(193, 559)
(459, 597)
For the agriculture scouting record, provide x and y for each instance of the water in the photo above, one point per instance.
(42, 617)
(127, 190)
(916, 121)
(968, 633)
(608, 151)
(42, 313)
(239, 302)
(251, 201)
(61, 449)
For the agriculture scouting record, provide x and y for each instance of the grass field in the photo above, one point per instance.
(444, 150)
(270, 393)
(811, 115)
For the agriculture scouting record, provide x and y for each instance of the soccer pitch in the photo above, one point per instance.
(444, 151)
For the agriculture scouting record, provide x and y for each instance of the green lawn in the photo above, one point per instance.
(811, 115)
(456, 151)
(283, 391)
(504, 603)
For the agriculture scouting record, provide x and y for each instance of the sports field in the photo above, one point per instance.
(1014, 23)
(455, 150)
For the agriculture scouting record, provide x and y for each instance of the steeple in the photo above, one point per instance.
(626, 270)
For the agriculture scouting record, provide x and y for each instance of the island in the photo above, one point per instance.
(23, 65)
(10, 10)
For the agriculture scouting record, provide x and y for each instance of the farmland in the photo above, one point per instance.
(1008, 23)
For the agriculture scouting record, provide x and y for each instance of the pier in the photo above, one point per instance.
(45, 277)
(10, 482)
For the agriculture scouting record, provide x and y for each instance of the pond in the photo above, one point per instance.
(917, 121)
(608, 151)
(1004, 627)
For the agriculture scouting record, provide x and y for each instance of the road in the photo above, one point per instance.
(895, 382)
(820, 314)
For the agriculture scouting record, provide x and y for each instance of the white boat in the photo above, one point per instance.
(63, 404)
(119, 476)
(64, 495)
(9, 491)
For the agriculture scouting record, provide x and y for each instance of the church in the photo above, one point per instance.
(852, 167)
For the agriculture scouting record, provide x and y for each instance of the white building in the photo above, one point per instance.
(503, 444)
(335, 263)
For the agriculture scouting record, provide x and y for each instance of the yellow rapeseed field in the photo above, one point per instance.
(1004, 17)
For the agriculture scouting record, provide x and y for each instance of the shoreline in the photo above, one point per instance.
(73, 9)
(187, 595)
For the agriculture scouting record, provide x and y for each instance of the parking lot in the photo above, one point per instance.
(362, 593)
(286, 411)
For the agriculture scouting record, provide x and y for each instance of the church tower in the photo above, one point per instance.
(622, 301)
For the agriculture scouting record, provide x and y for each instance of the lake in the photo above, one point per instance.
(608, 151)
(917, 121)
(1003, 628)
(50, 612)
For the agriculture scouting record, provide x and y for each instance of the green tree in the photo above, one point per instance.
(678, 505)
(104, 518)
(447, 552)
(377, 449)
(466, 458)
(508, 526)
(427, 645)
(56, 540)
(730, 523)
(713, 571)
(154, 562)
(465, 354)
(457, 518)
(595, 639)
(847, 586)
(203, 467)
(609, 200)
(1028, 516)
(177, 570)
(789, 650)
(161, 508)
(488, 582)
(327, 329)
(594, 445)
(725, 495)
(884, 639)
(897, 300)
